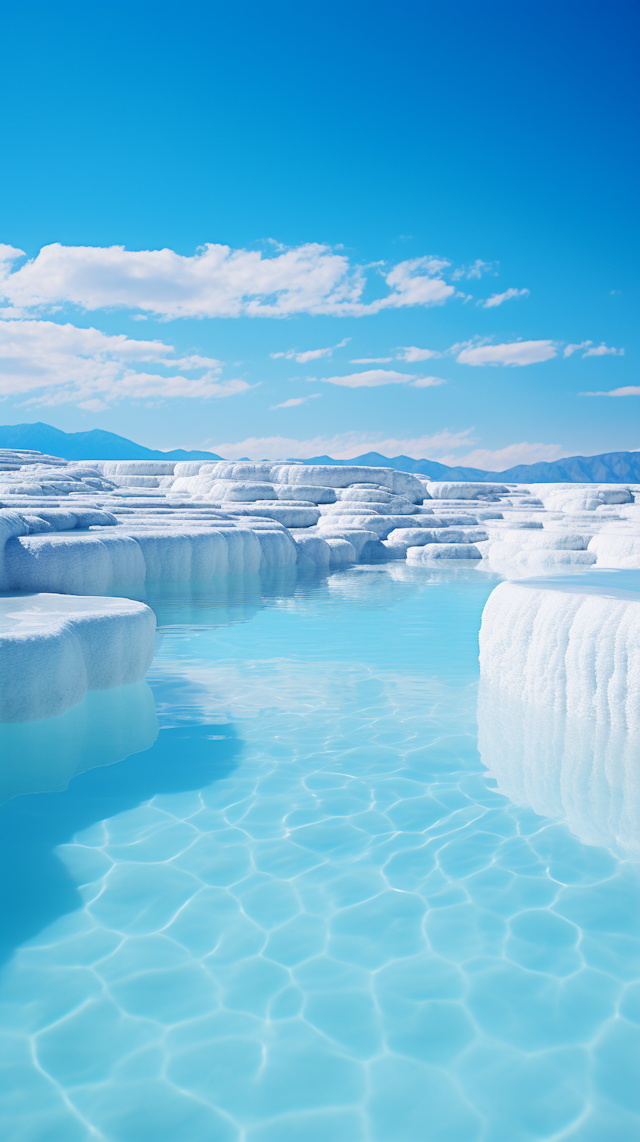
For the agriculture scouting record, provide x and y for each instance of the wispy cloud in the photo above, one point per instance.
(427, 382)
(411, 353)
(627, 391)
(481, 350)
(603, 350)
(342, 446)
(372, 378)
(216, 281)
(569, 350)
(499, 459)
(445, 446)
(95, 405)
(500, 298)
(513, 353)
(310, 354)
(293, 402)
(408, 353)
(370, 360)
(62, 364)
(592, 350)
(475, 270)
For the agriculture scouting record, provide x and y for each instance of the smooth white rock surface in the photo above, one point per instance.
(53, 648)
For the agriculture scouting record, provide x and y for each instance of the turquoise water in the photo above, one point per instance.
(300, 910)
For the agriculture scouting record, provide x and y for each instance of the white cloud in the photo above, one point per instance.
(370, 360)
(372, 378)
(603, 351)
(215, 282)
(443, 446)
(500, 459)
(412, 353)
(9, 254)
(63, 363)
(569, 350)
(95, 405)
(514, 353)
(293, 402)
(475, 270)
(309, 354)
(628, 391)
(592, 350)
(342, 446)
(499, 298)
(409, 286)
(427, 382)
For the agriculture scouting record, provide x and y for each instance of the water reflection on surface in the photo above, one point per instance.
(573, 769)
(304, 914)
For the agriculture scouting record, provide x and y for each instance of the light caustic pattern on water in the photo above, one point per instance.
(305, 914)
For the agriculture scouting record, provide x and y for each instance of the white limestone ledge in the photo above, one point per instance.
(571, 647)
(559, 705)
(517, 530)
(54, 648)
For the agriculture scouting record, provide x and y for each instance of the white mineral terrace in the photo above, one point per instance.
(53, 648)
(559, 704)
(87, 528)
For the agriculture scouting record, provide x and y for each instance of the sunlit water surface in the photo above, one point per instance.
(302, 911)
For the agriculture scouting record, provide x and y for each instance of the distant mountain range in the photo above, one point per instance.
(94, 445)
(608, 468)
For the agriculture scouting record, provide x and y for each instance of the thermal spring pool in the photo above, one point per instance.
(275, 893)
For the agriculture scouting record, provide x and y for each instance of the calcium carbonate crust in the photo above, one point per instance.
(573, 650)
(54, 648)
(93, 527)
(559, 705)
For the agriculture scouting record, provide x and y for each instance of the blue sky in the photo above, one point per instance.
(290, 229)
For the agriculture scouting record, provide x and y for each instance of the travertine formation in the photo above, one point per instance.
(53, 648)
(91, 528)
(127, 521)
(559, 704)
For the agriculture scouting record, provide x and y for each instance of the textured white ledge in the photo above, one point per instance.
(53, 648)
(559, 704)
(574, 648)
(537, 529)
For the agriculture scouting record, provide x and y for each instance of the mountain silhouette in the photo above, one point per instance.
(94, 445)
(606, 468)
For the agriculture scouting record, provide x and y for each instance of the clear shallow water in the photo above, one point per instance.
(304, 913)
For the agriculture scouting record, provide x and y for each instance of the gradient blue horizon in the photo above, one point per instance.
(497, 132)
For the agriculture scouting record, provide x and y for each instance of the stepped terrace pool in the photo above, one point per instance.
(275, 893)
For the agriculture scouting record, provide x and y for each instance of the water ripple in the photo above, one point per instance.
(349, 933)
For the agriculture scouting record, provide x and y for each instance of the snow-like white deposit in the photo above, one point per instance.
(559, 704)
(571, 648)
(53, 648)
(104, 526)
(514, 529)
